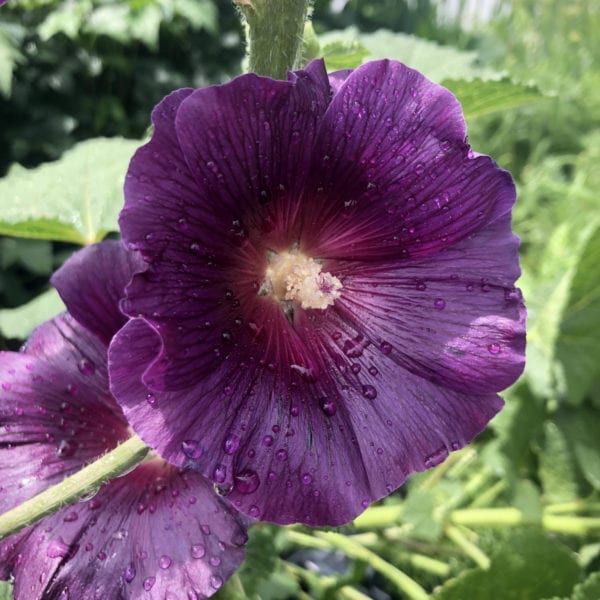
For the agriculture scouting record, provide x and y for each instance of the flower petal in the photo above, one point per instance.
(455, 319)
(92, 282)
(289, 449)
(392, 176)
(154, 533)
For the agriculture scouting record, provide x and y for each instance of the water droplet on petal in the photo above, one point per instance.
(329, 407)
(494, 348)
(436, 457)
(216, 582)
(198, 550)
(246, 482)
(192, 449)
(149, 583)
(294, 410)
(369, 392)
(439, 304)
(164, 562)
(268, 440)
(129, 573)
(385, 347)
(281, 454)
(307, 479)
(231, 444)
(220, 473)
(86, 367)
(70, 517)
(421, 286)
(57, 548)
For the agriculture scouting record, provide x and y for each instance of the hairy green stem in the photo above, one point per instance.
(114, 463)
(275, 30)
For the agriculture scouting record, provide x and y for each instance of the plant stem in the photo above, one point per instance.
(379, 516)
(407, 586)
(275, 30)
(469, 548)
(114, 463)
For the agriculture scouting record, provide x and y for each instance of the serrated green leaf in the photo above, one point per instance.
(418, 513)
(75, 199)
(482, 97)
(434, 61)
(19, 322)
(343, 54)
(556, 470)
(527, 566)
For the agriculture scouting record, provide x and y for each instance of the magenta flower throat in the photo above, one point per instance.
(329, 299)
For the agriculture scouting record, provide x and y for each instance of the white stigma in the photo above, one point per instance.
(293, 276)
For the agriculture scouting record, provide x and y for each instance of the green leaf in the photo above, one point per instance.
(562, 353)
(9, 57)
(527, 566)
(589, 589)
(482, 97)
(66, 18)
(527, 500)
(34, 255)
(579, 331)
(434, 61)
(556, 467)
(418, 512)
(261, 557)
(202, 14)
(343, 54)
(19, 322)
(582, 429)
(6, 592)
(144, 25)
(111, 20)
(75, 199)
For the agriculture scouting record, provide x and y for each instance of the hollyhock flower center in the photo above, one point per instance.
(292, 276)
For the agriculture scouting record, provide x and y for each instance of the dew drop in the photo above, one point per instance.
(86, 367)
(57, 548)
(355, 368)
(281, 455)
(253, 511)
(164, 562)
(365, 503)
(129, 573)
(151, 399)
(231, 444)
(70, 517)
(369, 392)
(215, 561)
(198, 550)
(149, 583)
(329, 407)
(71, 389)
(6, 387)
(494, 348)
(373, 370)
(307, 479)
(436, 457)
(246, 482)
(220, 473)
(439, 304)
(421, 286)
(294, 410)
(216, 582)
(268, 440)
(192, 449)
(385, 347)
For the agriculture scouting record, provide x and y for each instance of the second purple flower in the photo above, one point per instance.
(329, 303)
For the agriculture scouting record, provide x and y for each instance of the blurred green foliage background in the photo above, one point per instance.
(516, 516)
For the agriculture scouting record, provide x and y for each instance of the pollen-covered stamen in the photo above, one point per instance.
(291, 276)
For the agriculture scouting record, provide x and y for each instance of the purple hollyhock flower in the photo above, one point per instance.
(157, 532)
(329, 303)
